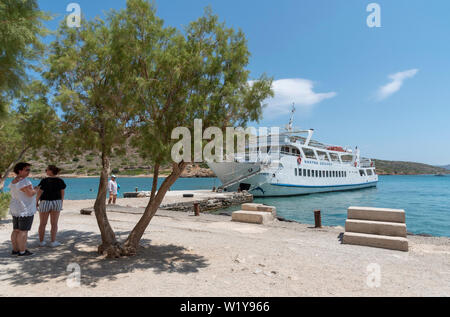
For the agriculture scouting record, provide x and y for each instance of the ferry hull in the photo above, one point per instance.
(261, 188)
(279, 190)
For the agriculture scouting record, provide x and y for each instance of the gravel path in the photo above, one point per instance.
(183, 255)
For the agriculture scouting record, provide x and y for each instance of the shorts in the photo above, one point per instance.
(22, 223)
(50, 205)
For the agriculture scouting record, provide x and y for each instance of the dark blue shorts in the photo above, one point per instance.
(23, 223)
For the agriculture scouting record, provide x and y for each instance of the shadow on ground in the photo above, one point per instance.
(80, 248)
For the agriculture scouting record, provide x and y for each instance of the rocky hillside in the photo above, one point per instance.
(88, 164)
(406, 168)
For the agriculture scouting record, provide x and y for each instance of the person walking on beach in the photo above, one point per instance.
(112, 188)
(50, 200)
(22, 208)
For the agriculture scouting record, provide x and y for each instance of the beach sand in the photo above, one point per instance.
(183, 255)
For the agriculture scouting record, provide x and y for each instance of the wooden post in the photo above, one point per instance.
(197, 209)
(317, 219)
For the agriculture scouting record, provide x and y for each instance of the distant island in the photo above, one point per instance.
(88, 165)
(408, 168)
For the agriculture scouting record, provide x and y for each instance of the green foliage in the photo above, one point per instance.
(133, 172)
(32, 125)
(87, 71)
(4, 204)
(115, 171)
(21, 27)
(200, 73)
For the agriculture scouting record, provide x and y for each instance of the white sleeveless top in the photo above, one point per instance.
(21, 204)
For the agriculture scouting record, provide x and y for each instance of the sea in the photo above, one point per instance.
(425, 198)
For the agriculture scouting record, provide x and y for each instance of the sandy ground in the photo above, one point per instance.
(183, 255)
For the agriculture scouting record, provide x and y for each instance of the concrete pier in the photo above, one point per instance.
(176, 200)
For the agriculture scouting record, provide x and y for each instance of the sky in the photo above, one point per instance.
(385, 89)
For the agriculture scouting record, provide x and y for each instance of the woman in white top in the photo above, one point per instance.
(22, 208)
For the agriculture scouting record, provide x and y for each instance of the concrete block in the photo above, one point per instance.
(377, 214)
(258, 217)
(393, 229)
(260, 207)
(265, 208)
(250, 207)
(377, 241)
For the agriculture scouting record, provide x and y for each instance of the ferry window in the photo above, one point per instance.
(334, 174)
(295, 171)
(317, 173)
(304, 172)
(328, 174)
(299, 172)
(334, 157)
(340, 173)
(345, 174)
(296, 151)
(309, 153)
(322, 156)
(320, 173)
(369, 172)
(309, 173)
(362, 173)
(313, 173)
(347, 158)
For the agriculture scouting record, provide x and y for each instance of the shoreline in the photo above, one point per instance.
(164, 175)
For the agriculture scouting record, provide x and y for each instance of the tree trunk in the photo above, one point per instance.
(109, 242)
(10, 168)
(132, 243)
(155, 181)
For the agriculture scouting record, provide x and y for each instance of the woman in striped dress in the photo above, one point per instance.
(50, 202)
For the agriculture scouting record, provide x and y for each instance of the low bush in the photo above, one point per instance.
(4, 204)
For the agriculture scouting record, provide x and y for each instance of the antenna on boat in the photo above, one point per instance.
(291, 120)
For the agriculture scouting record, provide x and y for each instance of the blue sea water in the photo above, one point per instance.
(426, 199)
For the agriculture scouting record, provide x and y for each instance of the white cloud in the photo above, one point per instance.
(396, 83)
(295, 90)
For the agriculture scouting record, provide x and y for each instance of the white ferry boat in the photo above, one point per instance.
(295, 165)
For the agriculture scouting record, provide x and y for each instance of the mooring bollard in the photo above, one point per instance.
(317, 219)
(197, 209)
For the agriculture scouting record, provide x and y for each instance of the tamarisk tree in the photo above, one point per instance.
(89, 70)
(133, 78)
(200, 73)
